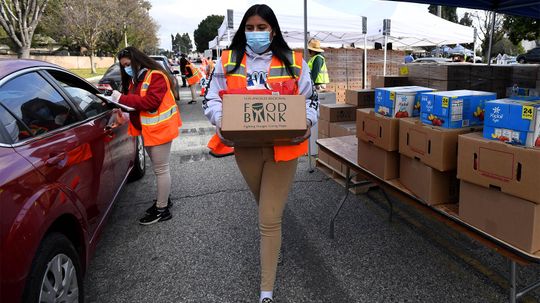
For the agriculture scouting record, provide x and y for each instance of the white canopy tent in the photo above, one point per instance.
(411, 25)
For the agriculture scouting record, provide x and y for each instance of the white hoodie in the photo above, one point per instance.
(257, 73)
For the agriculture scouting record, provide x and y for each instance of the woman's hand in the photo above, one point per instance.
(299, 140)
(218, 132)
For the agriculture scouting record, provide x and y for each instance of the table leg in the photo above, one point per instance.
(348, 179)
(513, 291)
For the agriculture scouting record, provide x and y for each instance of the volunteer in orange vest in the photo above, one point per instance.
(259, 57)
(193, 77)
(147, 88)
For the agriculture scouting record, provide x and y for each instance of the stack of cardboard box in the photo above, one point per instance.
(337, 120)
(499, 190)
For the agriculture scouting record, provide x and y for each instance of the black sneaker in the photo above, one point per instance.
(153, 208)
(192, 101)
(161, 214)
(267, 300)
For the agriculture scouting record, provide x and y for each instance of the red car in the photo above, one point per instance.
(64, 156)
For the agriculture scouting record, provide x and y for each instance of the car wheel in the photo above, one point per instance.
(139, 168)
(56, 274)
(522, 61)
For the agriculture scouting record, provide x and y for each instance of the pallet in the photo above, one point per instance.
(339, 177)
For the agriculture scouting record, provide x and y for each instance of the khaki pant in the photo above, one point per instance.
(159, 155)
(270, 183)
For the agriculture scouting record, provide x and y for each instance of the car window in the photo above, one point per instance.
(113, 69)
(36, 104)
(87, 101)
(13, 130)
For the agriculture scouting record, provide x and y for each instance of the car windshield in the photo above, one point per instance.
(113, 69)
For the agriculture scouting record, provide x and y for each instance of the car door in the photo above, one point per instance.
(109, 134)
(55, 140)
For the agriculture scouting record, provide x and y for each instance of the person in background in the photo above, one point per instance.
(408, 58)
(193, 77)
(317, 65)
(146, 87)
(183, 63)
(259, 57)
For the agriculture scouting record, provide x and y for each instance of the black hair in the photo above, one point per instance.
(278, 46)
(140, 60)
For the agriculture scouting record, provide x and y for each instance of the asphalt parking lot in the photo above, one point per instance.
(208, 252)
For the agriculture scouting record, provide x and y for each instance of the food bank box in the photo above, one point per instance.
(512, 169)
(454, 109)
(399, 101)
(259, 120)
(513, 121)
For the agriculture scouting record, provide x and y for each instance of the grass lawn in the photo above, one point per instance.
(86, 72)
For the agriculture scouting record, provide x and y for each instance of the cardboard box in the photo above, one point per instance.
(454, 109)
(327, 97)
(360, 98)
(384, 164)
(399, 102)
(450, 71)
(323, 127)
(434, 146)
(322, 136)
(323, 156)
(513, 169)
(382, 131)
(340, 129)
(511, 219)
(430, 185)
(329, 161)
(337, 112)
(388, 81)
(444, 85)
(257, 120)
(513, 121)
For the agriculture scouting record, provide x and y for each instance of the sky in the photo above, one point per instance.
(182, 16)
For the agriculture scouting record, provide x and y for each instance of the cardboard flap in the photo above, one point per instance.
(373, 129)
(417, 141)
(496, 163)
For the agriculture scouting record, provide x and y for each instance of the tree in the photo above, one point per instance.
(185, 43)
(206, 31)
(484, 21)
(447, 12)
(521, 28)
(466, 20)
(20, 18)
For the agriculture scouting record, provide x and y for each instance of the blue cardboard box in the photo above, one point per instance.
(454, 109)
(399, 101)
(513, 121)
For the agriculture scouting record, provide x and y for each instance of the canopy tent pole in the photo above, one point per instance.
(492, 30)
(305, 57)
(384, 60)
(364, 31)
(474, 46)
(386, 33)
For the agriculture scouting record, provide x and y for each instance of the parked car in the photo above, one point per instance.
(111, 80)
(65, 155)
(532, 56)
(432, 60)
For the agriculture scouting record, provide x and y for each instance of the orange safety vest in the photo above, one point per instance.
(159, 126)
(196, 75)
(276, 75)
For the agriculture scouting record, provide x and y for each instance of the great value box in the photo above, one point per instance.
(259, 120)
(337, 112)
(512, 169)
(511, 219)
(380, 130)
(454, 109)
(399, 101)
(434, 146)
(513, 121)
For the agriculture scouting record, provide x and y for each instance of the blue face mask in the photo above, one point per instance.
(129, 71)
(259, 42)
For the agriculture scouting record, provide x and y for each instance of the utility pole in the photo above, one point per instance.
(439, 11)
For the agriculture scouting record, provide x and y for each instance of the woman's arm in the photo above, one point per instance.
(305, 86)
(212, 103)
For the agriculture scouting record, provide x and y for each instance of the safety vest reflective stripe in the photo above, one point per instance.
(230, 64)
(169, 113)
(280, 71)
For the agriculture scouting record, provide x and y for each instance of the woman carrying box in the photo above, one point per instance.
(259, 57)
